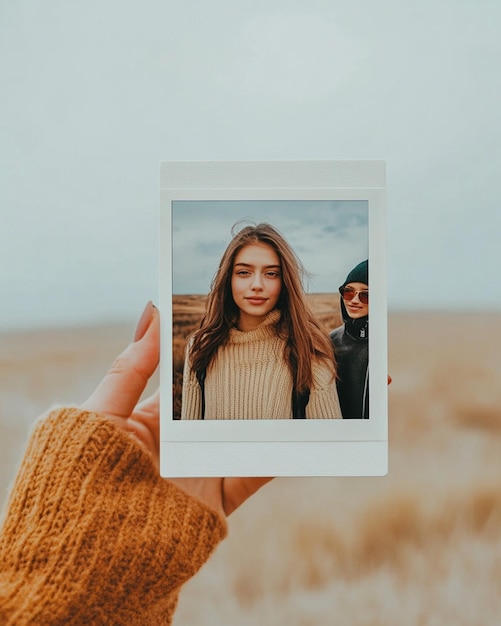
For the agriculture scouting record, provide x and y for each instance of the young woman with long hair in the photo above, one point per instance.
(259, 352)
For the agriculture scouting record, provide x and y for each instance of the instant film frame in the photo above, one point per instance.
(268, 447)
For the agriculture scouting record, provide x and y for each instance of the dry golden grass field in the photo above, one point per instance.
(420, 547)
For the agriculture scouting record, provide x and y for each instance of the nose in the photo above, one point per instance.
(356, 298)
(257, 283)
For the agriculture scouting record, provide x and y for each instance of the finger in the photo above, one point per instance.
(237, 490)
(144, 422)
(120, 390)
(151, 405)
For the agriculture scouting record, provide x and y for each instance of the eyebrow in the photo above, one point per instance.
(250, 265)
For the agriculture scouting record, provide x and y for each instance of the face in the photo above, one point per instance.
(355, 307)
(256, 283)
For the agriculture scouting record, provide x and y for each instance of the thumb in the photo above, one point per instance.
(120, 390)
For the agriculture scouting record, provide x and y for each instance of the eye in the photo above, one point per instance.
(242, 273)
(272, 274)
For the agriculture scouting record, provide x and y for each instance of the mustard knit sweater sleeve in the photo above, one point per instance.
(92, 534)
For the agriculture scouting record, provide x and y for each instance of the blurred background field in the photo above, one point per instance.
(421, 546)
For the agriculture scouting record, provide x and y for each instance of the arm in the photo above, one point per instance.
(91, 533)
(324, 401)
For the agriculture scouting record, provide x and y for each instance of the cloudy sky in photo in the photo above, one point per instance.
(96, 94)
(329, 238)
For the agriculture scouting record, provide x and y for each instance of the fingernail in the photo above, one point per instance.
(145, 321)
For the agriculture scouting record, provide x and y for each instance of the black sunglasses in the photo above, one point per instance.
(348, 293)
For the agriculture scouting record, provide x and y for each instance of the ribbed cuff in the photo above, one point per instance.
(92, 533)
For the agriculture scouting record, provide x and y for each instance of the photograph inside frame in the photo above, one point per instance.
(264, 301)
(270, 309)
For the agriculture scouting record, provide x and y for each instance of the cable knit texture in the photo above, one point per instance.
(250, 379)
(92, 534)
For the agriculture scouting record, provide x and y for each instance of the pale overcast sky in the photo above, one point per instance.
(96, 94)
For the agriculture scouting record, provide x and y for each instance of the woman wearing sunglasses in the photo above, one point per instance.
(351, 344)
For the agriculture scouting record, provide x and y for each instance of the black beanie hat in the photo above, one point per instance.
(357, 328)
(359, 274)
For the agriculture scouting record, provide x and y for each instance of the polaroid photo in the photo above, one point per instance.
(265, 269)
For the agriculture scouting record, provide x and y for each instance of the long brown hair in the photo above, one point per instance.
(305, 340)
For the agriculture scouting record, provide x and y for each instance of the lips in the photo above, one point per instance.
(256, 300)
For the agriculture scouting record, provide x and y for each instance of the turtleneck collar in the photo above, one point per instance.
(265, 329)
(358, 329)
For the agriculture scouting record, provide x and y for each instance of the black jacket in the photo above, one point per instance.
(351, 348)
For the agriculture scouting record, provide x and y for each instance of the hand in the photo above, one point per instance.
(117, 398)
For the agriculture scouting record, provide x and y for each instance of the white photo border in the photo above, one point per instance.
(263, 447)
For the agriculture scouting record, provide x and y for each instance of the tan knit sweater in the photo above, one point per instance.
(92, 534)
(249, 379)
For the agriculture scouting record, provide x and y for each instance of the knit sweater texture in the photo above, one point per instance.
(250, 379)
(92, 534)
